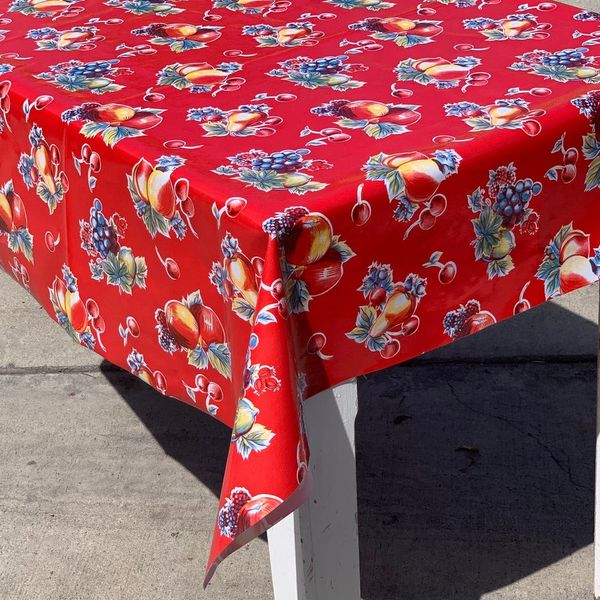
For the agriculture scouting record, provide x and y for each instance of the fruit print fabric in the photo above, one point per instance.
(246, 202)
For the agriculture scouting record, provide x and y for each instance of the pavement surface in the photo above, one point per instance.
(475, 473)
(475, 470)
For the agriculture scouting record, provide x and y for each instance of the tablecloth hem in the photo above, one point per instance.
(298, 497)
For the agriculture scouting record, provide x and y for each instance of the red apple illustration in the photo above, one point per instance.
(576, 272)
(256, 509)
(576, 243)
(154, 186)
(60, 291)
(575, 268)
(378, 112)
(48, 5)
(124, 115)
(441, 69)
(184, 31)
(112, 113)
(182, 324)
(308, 241)
(422, 175)
(19, 216)
(477, 322)
(322, 275)
(364, 109)
(211, 330)
(145, 374)
(409, 27)
(256, 4)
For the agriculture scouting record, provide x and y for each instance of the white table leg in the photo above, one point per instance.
(597, 497)
(314, 551)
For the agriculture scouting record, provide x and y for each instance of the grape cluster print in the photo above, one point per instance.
(285, 169)
(97, 76)
(589, 107)
(104, 236)
(569, 64)
(334, 72)
(502, 209)
(101, 238)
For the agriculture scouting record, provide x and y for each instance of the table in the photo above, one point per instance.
(250, 202)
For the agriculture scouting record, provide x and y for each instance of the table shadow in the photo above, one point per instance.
(194, 439)
(470, 476)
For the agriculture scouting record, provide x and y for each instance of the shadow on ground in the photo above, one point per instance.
(470, 476)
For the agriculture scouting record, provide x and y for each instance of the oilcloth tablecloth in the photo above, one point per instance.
(245, 202)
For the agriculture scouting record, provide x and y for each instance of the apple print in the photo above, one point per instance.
(567, 264)
(377, 119)
(242, 511)
(467, 319)
(190, 326)
(313, 253)
(160, 202)
(404, 32)
(113, 122)
(70, 309)
(201, 77)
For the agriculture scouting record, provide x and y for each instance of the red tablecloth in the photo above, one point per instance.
(249, 201)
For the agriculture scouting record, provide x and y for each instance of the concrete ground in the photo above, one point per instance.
(475, 470)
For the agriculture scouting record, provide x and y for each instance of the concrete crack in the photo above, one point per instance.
(565, 468)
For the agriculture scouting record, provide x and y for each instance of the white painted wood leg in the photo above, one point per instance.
(314, 551)
(597, 497)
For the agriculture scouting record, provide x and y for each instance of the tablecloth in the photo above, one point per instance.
(245, 202)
